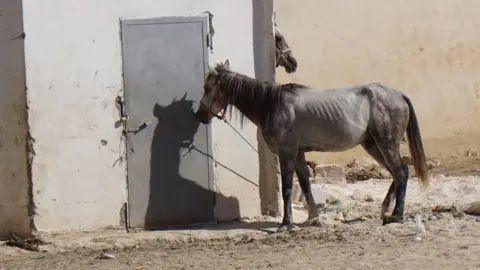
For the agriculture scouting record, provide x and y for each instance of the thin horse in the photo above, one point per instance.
(295, 119)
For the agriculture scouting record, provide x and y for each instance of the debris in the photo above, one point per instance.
(419, 225)
(471, 153)
(444, 209)
(106, 256)
(452, 209)
(335, 202)
(364, 169)
(32, 244)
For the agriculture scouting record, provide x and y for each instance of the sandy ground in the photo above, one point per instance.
(352, 238)
(458, 166)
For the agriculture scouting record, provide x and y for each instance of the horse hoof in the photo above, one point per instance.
(314, 222)
(392, 219)
(284, 228)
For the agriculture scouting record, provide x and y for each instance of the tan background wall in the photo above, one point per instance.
(428, 49)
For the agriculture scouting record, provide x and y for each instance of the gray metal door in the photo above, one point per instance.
(164, 65)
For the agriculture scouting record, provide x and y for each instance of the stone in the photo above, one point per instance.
(311, 167)
(366, 161)
(384, 173)
(407, 160)
(329, 170)
(339, 216)
(368, 198)
(296, 192)
(359, 195)
(311, 172)
(432, 163)
(473, 209)
(330, 173)
(325, 221)
(319, 196)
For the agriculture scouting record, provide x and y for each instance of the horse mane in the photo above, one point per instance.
(253, 96)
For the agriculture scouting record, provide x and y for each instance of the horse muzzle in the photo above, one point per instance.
(203, 117)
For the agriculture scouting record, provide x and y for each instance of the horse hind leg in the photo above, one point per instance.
(372, 149)
(390, 150)
(301, 168)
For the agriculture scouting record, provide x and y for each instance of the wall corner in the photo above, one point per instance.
(264, 57)
(15, 174)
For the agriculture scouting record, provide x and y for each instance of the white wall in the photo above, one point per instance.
(14, 199)
(73, 66)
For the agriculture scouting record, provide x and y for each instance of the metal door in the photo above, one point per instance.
(164, 65)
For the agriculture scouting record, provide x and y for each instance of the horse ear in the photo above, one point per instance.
(184, 97)
(226, 64)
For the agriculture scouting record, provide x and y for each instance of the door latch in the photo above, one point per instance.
(139, 128)
(124, 117)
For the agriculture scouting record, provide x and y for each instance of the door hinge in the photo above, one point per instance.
(211, 30)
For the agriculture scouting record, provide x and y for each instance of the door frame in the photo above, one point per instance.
(204, 19)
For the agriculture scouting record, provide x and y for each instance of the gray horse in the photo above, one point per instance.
(295, 119)
(283, 53)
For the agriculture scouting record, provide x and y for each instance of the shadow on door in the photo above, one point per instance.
(175, 200)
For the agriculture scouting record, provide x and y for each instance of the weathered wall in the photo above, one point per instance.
(428, 49)
(14, 199)
(264, 55)
(73, 67)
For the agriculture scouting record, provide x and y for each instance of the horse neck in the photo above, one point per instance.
(246, 94)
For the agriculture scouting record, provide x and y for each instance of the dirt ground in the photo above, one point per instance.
(458, 166)
(351, 237)
(366, 168)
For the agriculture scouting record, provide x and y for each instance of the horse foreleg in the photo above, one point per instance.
(287, 166)
(301, 168)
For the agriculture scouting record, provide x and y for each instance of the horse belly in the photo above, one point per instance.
(331, 138)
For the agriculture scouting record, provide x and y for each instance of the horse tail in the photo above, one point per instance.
(416, 146)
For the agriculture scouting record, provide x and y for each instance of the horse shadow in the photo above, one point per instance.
(176, 201)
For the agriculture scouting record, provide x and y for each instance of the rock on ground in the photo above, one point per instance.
(329, 173)
(473, 209)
